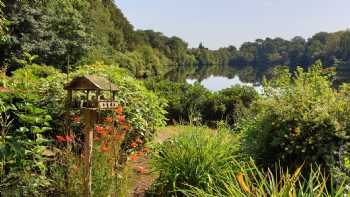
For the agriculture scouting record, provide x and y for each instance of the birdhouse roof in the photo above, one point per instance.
(91, 82)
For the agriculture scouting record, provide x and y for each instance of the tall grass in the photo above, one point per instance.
(249, 180)
(203, 162)
(195, 157)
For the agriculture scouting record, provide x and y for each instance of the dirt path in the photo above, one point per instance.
(140, 182)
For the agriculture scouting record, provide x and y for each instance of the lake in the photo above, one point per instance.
(217, 83)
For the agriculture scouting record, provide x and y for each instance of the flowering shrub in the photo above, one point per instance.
(43, 141)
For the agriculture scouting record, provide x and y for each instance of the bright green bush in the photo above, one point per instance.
(196, 157)
(34, 107)
(299, 119)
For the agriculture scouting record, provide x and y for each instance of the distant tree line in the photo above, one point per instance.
(331, 48)
(79, 32)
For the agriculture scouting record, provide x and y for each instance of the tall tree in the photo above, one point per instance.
(344, 46)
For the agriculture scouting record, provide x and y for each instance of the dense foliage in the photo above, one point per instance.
(194, 103)
(32, 115)
(300, 119)
(77, 32)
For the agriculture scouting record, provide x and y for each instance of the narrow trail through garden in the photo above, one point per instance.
(140, 182)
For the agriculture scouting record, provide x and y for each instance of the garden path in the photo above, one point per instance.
(139, 183)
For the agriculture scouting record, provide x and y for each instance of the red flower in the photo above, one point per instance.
(119, 110)
(69, 138)
(105, 142)
(99, 128)
(60, 138)
(97, 138)
(133, 145)
(101, 131)
(121, 119)
(108, 119)
(141, 170)
(133, 157)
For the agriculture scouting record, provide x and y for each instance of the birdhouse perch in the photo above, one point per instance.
(92, 91)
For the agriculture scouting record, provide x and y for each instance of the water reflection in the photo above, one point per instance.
(217, 83)
(216, 78)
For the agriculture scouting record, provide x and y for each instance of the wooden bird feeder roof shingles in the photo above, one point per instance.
(91, 82)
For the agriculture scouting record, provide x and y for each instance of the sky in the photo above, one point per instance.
(220, 23)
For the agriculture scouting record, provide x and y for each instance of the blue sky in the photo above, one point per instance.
(219, 23)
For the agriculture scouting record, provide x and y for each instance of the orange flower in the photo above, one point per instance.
(69, 138)
(60, 138)
(146, 150)
(141, 170)
(108, 119)
(121, 119)
(133, 145)
(101, 131)
(133, 157)
(244, 186)
(104, 148)
(119, 110)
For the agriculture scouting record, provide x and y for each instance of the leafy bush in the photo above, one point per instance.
(300, 119)
(184, 100)
(246, 179)
(228, 104)
(195, 157)
(196, 103)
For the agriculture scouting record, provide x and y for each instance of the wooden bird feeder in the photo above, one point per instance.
(87, 93)
(93, 88)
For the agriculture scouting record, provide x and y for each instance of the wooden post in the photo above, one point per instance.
(90, 118)
(114, 182)
(70, 100)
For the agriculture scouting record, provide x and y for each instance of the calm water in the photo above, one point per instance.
(217, 83)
